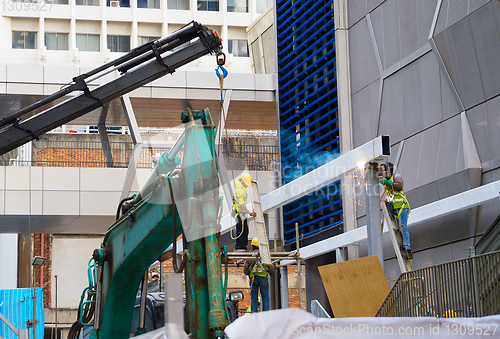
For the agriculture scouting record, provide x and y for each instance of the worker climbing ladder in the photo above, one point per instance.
(414, 287)
(260, 227)
(395, 234)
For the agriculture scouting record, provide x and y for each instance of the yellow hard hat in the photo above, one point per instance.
(450, 314)
(255, 242)
(247, 179)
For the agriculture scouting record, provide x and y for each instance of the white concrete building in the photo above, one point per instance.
(44, 46)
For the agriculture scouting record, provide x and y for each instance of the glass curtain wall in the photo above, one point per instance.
(308, 116)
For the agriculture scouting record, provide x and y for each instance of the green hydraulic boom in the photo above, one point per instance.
(178, 192)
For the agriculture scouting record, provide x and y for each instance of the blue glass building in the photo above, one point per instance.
(308, 113)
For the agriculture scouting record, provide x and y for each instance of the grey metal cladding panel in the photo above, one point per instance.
(442, 16)
(453, 184)
(445, 51)
(361, 117)
(449, 101)
(487, 44)
(412, 98)
(487, 213)
(392, 38)
(377, 19)
(438, 232)
(460, 165)
(371, 4)
(496, 9)
(475, 4)
(419, 238)
(458, 223)
(356, 9)
(383, 126)
(358, 57)
(457, 10)
(460, 249)
(427, 194)
(428, 155)
(493, 107)
(478, 122)
(373, 71)
(430, 83)
(425, 14)
(485, 217)
(448, 148)
(468, 80)
(408, 24)
(410, 163)
(392, 99)
(374, 107)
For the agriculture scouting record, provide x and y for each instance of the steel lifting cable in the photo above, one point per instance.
(222, 73)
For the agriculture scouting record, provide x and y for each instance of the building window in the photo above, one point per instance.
(88, 42)
(178, 4)
(56, 41)
(148, 3)
(238, 48)
(257, 56)
(237, 6)
(145, 39)
(268, 47)
(60, 2)
(262, 5)
(118, 43)
(87, 2)
(24, 40)
(208, 5)
(118, 3)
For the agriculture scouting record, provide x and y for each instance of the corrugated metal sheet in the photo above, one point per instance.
(17, 307)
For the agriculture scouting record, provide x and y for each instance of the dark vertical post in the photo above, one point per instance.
(373, 214)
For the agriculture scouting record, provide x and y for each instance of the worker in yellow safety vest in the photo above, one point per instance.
(400, 208)
(241, 212)
(258, 273)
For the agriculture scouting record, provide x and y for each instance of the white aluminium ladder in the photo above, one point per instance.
(258, 223)
(395, 234)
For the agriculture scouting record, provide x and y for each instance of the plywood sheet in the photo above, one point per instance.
(355, 288)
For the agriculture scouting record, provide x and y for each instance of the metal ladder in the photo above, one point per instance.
(395, 234)
(414, 287)
(258, 223)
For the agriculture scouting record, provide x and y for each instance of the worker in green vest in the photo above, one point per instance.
(258, 273)
(241, 212)
(400, 208)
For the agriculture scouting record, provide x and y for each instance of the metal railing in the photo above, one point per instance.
(50, 153)
(251, 157)
(463, 288)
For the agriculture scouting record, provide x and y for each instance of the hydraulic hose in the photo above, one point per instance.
(120, 206)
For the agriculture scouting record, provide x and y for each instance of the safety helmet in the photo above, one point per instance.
(255, 242)
(389, 169)
(247, 179)
(450, 314)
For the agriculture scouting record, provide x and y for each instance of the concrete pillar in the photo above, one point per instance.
(373, 212)
(314, 285)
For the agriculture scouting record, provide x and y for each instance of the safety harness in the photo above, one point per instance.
(397, 198)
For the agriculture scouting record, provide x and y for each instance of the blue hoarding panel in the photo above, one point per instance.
(17, 306)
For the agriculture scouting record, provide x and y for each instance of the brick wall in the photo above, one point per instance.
(42, 246)
(293, 293)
